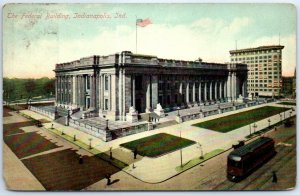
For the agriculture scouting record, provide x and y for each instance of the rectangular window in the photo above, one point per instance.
(106, 104)
(87, 82)
(106, 82)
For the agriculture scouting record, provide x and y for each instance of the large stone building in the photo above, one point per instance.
(264, 65)
(109, 86)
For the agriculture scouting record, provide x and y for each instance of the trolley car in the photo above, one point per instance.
(244, 160)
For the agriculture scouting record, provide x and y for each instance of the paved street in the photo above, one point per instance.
(156, 173)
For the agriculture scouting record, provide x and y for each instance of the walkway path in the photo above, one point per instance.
(146, 169)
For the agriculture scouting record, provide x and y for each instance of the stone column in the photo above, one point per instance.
(229, 93)
(216, 90)
(123, 93)
(65, 89)
(97, 91)
(225, 90)
(210, 90)
(77, 91)
(180, 91)
(194, 92)
(220, 90)
(205, 91)
(57, 89)
(83, 85)
(102, 91)
(90, 80)
(200, 93)
(133, 91)
(70, 83)
(121, 97)
(187, 92)
(148, 107)
(109, 92)
(234, 85)
(154, 87)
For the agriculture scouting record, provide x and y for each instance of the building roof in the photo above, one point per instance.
(261, 48)
(132, 59)
(251, 146)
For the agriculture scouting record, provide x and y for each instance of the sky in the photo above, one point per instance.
(38, 36)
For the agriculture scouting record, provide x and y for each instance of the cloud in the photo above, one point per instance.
(210, 39)
(288, 53)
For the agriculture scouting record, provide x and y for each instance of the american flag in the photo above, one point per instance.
(143, 23)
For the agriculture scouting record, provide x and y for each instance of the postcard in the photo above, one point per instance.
(116, 97)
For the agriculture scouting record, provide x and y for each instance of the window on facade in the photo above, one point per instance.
(106, 82)
(87, 82)
(139, 82)
(106, 104)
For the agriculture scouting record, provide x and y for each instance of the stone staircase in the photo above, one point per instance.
(61, 120)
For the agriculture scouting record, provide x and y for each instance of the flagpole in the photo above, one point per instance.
(135, 34)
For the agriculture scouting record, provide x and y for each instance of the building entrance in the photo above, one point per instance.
(138, 105)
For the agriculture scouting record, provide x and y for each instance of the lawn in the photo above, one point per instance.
(158, 144)
(27, 144)
(234, 121)
(14, 128)
(287, 103)
(61, 170)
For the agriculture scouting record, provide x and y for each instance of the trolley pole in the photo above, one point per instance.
(180, 153)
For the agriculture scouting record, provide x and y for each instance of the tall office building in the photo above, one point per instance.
(264, 69)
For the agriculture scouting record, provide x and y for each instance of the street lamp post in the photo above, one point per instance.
(280, 117)
(106, 128)
(250, 129)
(90, 139)
(254, 127)
(30, 103)
(201, 150)
(180, 153)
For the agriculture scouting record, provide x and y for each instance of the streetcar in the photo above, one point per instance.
(242, 161)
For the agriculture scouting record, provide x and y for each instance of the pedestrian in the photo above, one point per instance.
(107, 176)
(135, 152)
(110, 153)
(52, 126)
(274, 177)
(80, 159)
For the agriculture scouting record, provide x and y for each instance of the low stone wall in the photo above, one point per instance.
(205, 113)
(108, 135)
(99, 133)
(46, 113)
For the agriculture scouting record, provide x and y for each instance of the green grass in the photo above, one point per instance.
(235, 121)
(196, 161)
(287, 103)
(158, 144)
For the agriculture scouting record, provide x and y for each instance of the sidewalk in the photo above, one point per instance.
(24, 180)
(147, 169)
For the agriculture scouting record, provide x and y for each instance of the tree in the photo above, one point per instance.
(8, 89)
(50, 87)
(30, 86)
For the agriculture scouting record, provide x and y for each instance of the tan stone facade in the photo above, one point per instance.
(110, 85)
(265, 69)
